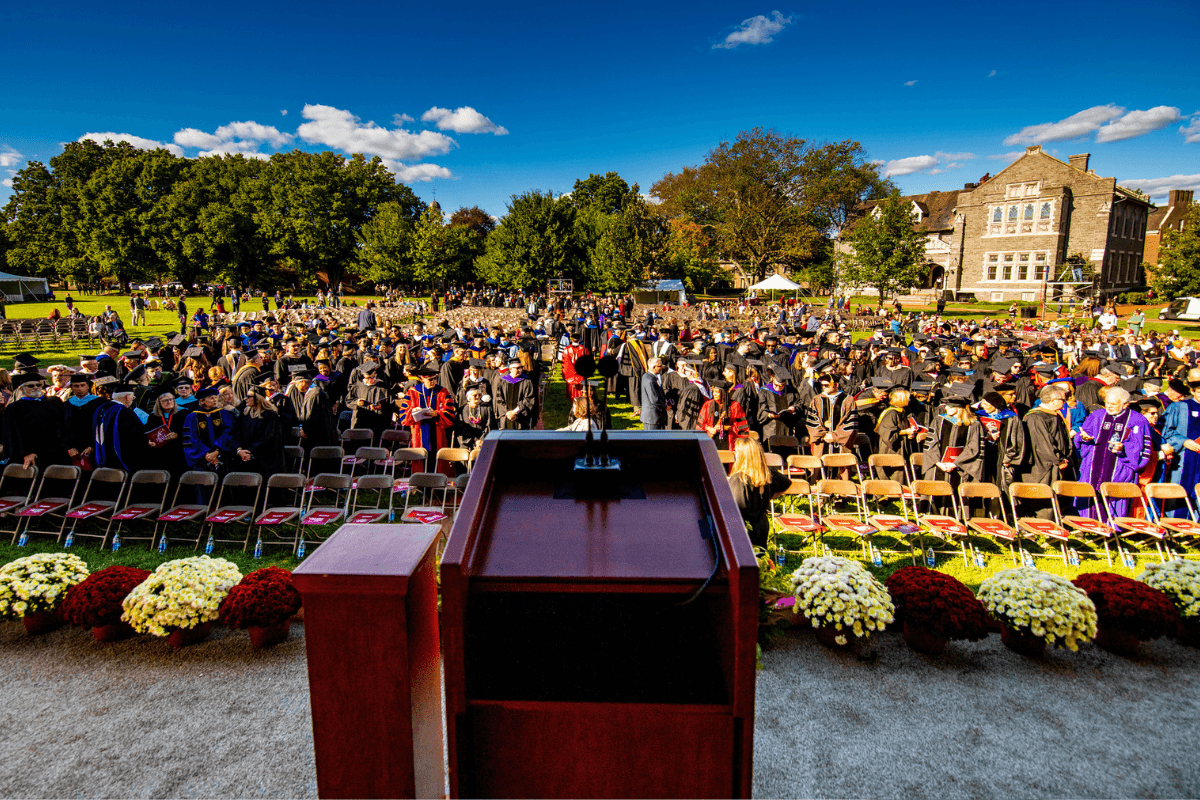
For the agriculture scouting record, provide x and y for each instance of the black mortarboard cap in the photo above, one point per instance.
(882, 383)
(193, 352)
(922, 387)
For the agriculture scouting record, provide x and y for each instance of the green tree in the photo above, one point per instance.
(887, 251)
(751, 193)
(835, 180)
(1178, 270)
(385, 245)
(440, 252)
(476, 219)
(313, 206)
(631, 245)
(608, 193)
(691, 256)
(535, 241)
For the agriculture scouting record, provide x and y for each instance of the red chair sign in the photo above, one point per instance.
(424, 517)
(85, 511)
(133, 512)
(367, 517)
(1181, 525)
(273, 517)
(1045, 527)
(40, 508)
(801, 522)
(225, 516)
(888, 522)
(7, 505)
(1093, 526)
(348, 460)
(180, 514)
(1141, 526)
(321, 517)
(400, 486)
(947, 526)
(993, 527)
(843, 522)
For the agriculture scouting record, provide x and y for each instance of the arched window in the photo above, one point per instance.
(1045, 211)
(1029, 211)
(1012, 213)
(997, 215)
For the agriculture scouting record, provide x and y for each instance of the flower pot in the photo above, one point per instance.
(1117, 641)
(39, 622)
(923, 641)
(113, 633)
(831, 637)
(1022, 642)
(182, 637)
(1187, 633)
(268, 635)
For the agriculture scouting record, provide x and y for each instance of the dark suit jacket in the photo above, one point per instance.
(654, 401)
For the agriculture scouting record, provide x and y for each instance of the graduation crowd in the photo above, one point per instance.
(980, 403)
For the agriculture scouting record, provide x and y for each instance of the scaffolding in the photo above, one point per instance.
(1072, 283)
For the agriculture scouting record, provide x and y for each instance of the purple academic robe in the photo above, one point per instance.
(1100, 464)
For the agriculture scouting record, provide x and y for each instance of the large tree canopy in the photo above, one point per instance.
(887, 253)
(534, 242)
(1178, 271)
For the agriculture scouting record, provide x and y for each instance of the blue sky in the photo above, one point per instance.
(477, 102)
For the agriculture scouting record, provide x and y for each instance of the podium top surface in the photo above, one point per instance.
(372, 556)
(538, 521)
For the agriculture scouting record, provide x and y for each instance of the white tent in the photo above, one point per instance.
(15, 288)
(775, 283)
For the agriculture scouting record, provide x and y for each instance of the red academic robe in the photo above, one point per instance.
(572, 378)
(432, 433)
(735, 427)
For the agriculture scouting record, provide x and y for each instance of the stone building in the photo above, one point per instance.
(1166, 218)
(1016, 231)
(1008, 237)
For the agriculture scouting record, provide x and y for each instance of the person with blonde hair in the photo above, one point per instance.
(754, 483)
(259, 436)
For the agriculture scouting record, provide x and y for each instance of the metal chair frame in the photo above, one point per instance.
(244, 513)
(143, 477)
(99, 477)
(192, 479)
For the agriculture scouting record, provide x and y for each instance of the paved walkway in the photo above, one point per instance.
(135, 719)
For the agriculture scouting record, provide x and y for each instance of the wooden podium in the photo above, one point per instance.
(371, 633)
(583, 657)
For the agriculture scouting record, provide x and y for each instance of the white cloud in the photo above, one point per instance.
(6, 183)
(462, 120)
(1138, 123)
(755, 30)
(416, 173)
(402, 119)
(910, 83)
(252, 131)
(283, 111)
(136, 141)
(236, 137)
(1007, 157)
(194, 137)
(9, 157)
(1158, 187)
(342, 130)
(1073, 127)
(992, 74)
(1191, 132)
(934, 164)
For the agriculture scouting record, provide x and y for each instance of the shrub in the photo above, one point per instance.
(937, 603)
(1125, 604)
(265, 597)
(97, 601)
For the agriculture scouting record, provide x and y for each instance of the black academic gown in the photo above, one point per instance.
(169, 456)
(36, 425)
(317, 419)
(516, 395)
(262, 436)
(1049, 444)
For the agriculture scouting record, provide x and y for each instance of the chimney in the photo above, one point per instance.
(1033, 148)
(1179, 197)
(1080, 161)
(968, 186)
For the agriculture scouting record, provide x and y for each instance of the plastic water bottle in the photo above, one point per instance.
(876, 557)
(1130, 561)
(70, 539)
(300, 550)
(162, 544)
(116, 542)
(930, 558)
(1026, 559)
(1073, 557)
(392, 515)
(24, 540)
(980, 561)
(258, 548)
(208, 547)
(780, 556)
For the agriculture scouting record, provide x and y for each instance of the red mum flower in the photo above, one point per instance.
(264, 597)
(937, 603)
(96, 601)
(1125, 604)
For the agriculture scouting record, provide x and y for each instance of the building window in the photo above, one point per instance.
(993, 266)
(1045, 211)
(1023, 267)
(1029, 211)
(1012, 213)
(997, 215)
(1007, 273)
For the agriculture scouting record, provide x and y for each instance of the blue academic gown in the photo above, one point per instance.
(205, 431)
(1181, 421)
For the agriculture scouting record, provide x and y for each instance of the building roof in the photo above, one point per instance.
(937, 209)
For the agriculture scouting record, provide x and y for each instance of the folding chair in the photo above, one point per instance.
(1179, 529)
(1136, 530)
(1036, 527)
(426, 483)
(197, 484)
(830, 489)
(1088, 528)
(408, 460)
(92, 507)
(366, 460)
(774, 460)
(942, 526)
(275, 515)
(900, 526)
(916, 466)
(988, 527)
(839, 464)
(293, 457)
(806, 526)
(455, 456)
(783, 445)
(877, 462)
(392, 438)
(359, 513)
(234, 513)
(727, 457)
(354, 438)
(150, 487)
(326, 458)
(325, 512)
(11, 500)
